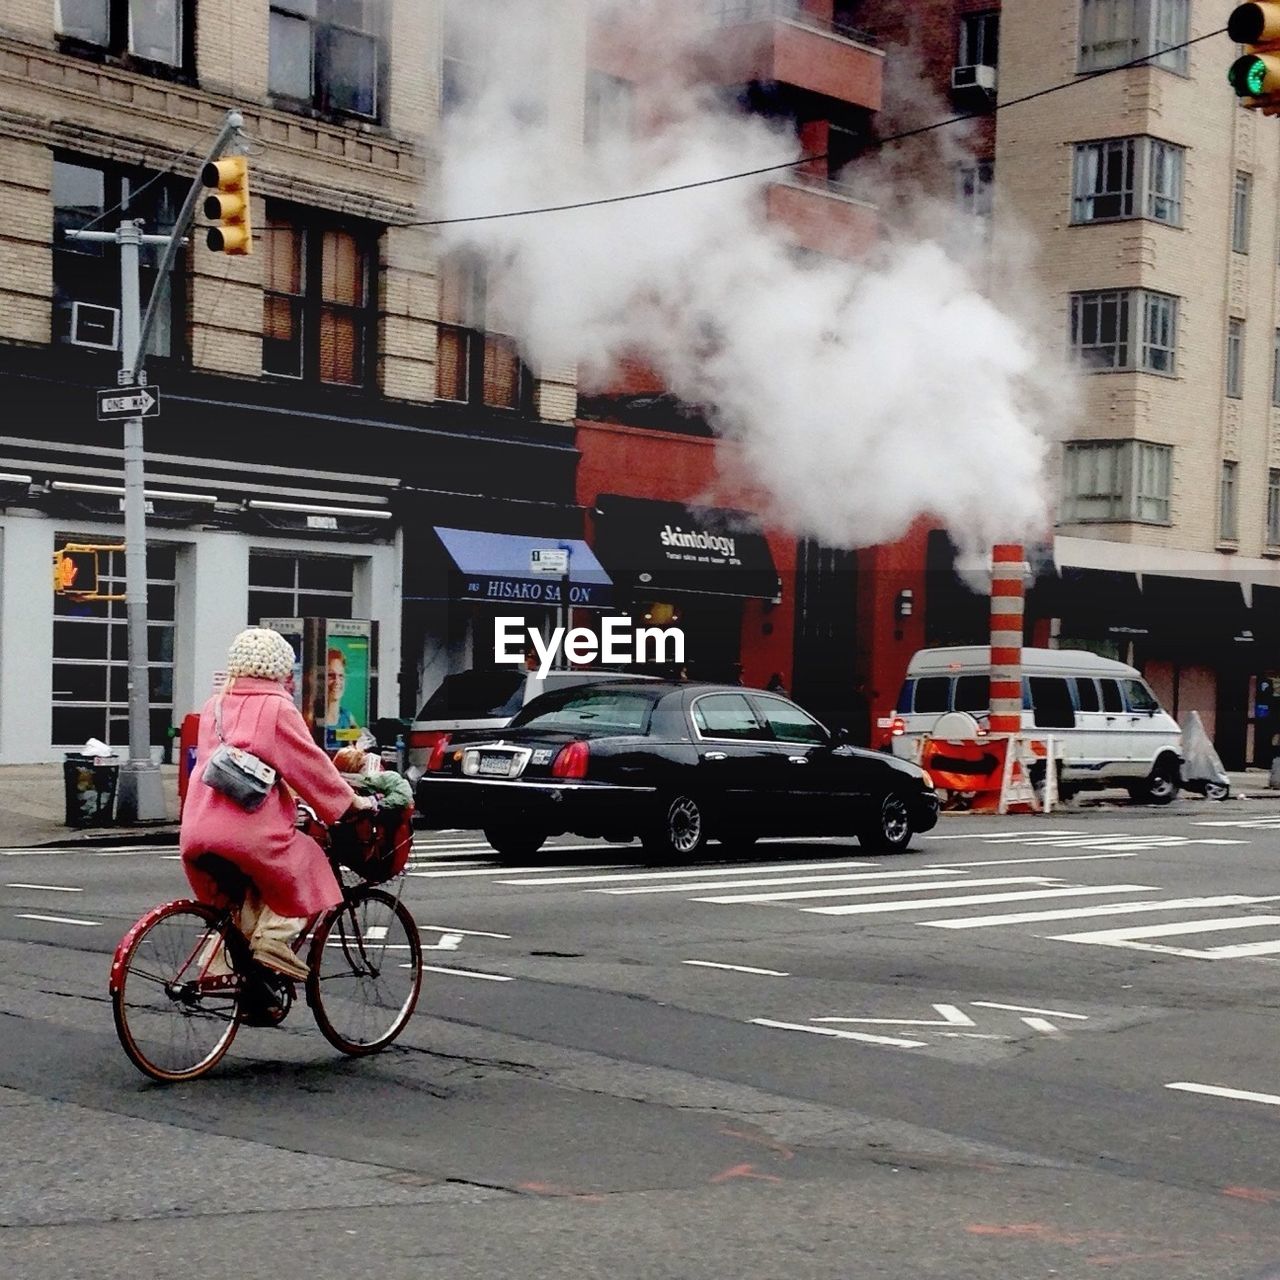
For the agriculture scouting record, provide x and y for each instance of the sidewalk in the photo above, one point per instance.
(33, 811)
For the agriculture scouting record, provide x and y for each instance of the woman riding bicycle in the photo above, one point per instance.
(284, 876)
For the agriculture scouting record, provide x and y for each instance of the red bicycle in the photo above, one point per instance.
(183, 979)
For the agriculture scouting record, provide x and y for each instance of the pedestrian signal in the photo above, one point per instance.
(75, 573)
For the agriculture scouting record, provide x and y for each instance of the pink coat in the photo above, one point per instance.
(288, 868)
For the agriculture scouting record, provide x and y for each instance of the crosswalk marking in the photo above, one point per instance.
(24, 915)
(893, 1041)
(845, 891)
(1107, 909)
(692, 873)
(852, 878)
(929, 904)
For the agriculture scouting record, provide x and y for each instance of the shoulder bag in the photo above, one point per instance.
(237, 774)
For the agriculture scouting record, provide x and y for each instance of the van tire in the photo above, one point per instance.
(1162, 784)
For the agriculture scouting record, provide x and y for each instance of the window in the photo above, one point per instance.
(476, 695)
(1125, 329)
(288, 586)
(1240, 213)
(790, 724)
(1117, 480)
(1273, 508)
(475, 364)
(317, 317)
(1051, 698)
(933, 693)
(1228, 523)
(1127, 178)
(1139, 697)
(1111, 699)
(1275, 370)
(1087, 694)
(1235, 359)
(152, 31)
(973, 693)
(1113, 32)
(976, 187)
(583, 709)
(91, 652)
(727, 715)
(89, 273)
(979, 40)
(329, 54)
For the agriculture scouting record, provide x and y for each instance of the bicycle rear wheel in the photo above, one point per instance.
(174, 1019)
(366, 972)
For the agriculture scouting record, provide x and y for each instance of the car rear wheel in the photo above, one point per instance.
(679, 831)
(516, 843)
(889, 827)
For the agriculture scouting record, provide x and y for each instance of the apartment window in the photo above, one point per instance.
(476, 364)
(152, 31)
(1240, 213)
(1273, 508)
(979, 40)
(976, 187)
(1275, 370)
(1125, 329)
(91, 652)
(1113, 32)
(1117, 480)
(89, 273)
(286, 586)
(1228, 526)
(330, 54)
(317, 316)
(1235, 359)
(1127, 178)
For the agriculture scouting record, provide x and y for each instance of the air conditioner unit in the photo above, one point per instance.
(975, 77)
(95, 326)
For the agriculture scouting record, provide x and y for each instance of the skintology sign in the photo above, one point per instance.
(531, 591)
(698, 546)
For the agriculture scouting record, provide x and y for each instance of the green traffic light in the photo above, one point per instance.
(1248, 76)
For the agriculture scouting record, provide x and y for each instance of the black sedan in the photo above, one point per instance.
(674, 764)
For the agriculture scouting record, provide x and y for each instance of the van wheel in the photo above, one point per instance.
(514, 843)
(1162, 785)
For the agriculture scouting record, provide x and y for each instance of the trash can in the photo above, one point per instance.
(90, 784)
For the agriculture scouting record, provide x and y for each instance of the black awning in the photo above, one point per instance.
(1094, 603)
(1194, 612)
(657, 547)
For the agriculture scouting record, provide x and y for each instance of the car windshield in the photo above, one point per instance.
(476, 695)
(599, 710)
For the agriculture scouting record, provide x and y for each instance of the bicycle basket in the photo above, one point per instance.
(375, 846)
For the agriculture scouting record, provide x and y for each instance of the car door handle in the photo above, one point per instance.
(798, 759)
(715, 755)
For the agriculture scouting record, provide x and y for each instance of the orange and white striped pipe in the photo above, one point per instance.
(1006, 637)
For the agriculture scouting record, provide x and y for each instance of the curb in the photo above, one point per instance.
(167, 834)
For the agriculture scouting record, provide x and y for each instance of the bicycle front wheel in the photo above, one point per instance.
(174, 1017)
(366, 972)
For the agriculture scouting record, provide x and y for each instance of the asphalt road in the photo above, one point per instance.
(1028, 1047)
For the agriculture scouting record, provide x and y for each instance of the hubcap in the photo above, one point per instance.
(895, 822)
(684, 823)
(1161, 785)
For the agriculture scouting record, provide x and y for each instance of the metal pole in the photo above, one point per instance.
(566, 613)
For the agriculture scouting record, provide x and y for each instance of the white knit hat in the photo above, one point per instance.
(259, 651)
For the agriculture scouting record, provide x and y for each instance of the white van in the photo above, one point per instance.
(1108, 728)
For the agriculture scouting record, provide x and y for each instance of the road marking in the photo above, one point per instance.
(845, 891)
(1014, 862)
(1047, 1028)
(840, 1035)
(977, 899)
(468, 973)
(994, 836)
(1020, 1008)
(483, 871)
(55, 919)
(852, 877)
(951, 1017)
(1221, 1091)
(51, 888)
(1122, 937)
(737, 968)
(1109, 909)
(1253, 824)
(448, 942)
(690, 873)
(465, 933)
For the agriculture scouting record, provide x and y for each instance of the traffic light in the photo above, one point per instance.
(75, 573)
(229, 207)
(1255, 75)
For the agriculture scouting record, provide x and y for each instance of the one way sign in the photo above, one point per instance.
(128, 402)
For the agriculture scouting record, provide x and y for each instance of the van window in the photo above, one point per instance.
(1087, 694)
(484, 694)
(1051, 698)
(932, 693)
(1111, 700)
(973, 693)
(903, 703)
(1139, 697)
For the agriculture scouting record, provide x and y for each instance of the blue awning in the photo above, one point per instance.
(494, 568)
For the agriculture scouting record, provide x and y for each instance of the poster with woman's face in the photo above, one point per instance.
(346, 686)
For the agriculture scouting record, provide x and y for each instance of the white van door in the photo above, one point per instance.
(1053, 713)
(1148, 728)
(1095, 743)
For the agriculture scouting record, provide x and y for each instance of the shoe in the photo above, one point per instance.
(275, 955)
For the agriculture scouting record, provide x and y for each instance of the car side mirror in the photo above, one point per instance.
(841, 737)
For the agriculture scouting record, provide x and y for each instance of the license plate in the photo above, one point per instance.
(495, 765)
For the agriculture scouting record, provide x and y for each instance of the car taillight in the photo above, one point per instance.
(571, 762)
(899, 727)
(435, 761)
